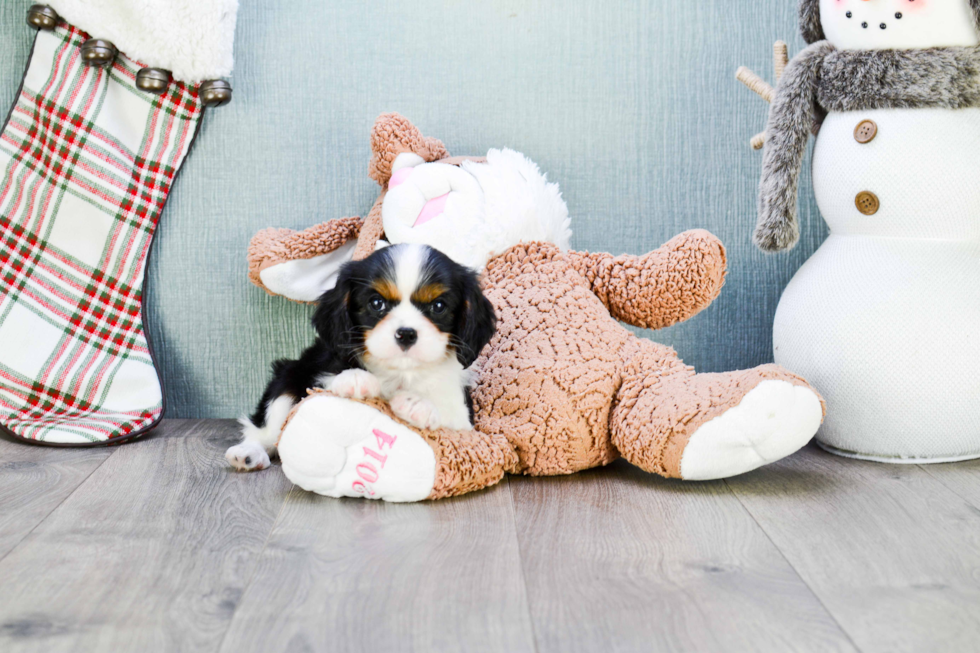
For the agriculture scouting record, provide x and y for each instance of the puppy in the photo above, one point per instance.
(404, 324)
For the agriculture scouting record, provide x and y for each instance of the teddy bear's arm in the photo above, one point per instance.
(664, 287)
(299, 265)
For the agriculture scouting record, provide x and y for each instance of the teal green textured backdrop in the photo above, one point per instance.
(631, 105)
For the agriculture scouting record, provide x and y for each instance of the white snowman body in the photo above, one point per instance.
(884, 319)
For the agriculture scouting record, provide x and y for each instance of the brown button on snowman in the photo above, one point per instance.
(884, 319)
(866, 131)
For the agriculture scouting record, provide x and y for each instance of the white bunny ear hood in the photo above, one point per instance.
(520, 205)
(477, 210)
(193, 39)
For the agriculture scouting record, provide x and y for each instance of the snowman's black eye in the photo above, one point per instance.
(850, 15)
(883, 26)
(899, 15)
(864, 25)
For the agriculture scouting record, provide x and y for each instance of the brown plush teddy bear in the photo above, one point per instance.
(562, 386)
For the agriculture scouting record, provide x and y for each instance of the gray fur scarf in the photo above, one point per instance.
(822, 79)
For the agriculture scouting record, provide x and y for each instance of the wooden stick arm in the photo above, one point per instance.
(780, 56)
(756, 84)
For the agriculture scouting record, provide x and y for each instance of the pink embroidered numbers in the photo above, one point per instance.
(369, 471)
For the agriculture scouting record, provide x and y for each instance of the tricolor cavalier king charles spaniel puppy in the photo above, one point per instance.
(404, 324)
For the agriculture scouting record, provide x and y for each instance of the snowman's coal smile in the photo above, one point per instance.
(893, 24)
(898, 16)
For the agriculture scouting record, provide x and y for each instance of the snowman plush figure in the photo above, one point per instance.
(884, 319)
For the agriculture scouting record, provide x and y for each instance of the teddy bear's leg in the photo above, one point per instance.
(673, 422)
(346, 448)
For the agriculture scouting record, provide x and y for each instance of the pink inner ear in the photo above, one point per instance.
(433, 208)
(400, 176)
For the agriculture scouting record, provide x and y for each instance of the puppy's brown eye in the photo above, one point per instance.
(439, 307)
(378, 305)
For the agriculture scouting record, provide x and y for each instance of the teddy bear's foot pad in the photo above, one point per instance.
(772, 421)
(341, 448)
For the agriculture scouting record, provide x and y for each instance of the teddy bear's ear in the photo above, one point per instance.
(810, 23)
(392, 135)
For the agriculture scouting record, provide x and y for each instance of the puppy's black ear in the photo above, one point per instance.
(332, 318)
(476, 322)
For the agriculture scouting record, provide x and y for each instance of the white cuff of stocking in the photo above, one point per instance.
(193, 39)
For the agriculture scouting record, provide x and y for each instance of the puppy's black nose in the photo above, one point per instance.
(406, 337)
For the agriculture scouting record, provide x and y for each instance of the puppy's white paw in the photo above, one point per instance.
(356, 384)
(249, 456)
(339, 448)
(415, 410)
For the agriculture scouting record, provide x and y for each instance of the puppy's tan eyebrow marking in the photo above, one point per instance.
(429, 293)
(387, 289)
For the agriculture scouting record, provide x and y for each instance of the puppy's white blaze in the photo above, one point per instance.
(410, 261)
(432, 345)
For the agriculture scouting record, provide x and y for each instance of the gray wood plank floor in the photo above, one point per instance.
(157, 546)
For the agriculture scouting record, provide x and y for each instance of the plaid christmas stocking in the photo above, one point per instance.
(86, 162)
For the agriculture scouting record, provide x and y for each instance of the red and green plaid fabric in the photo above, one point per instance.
(86, 163)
